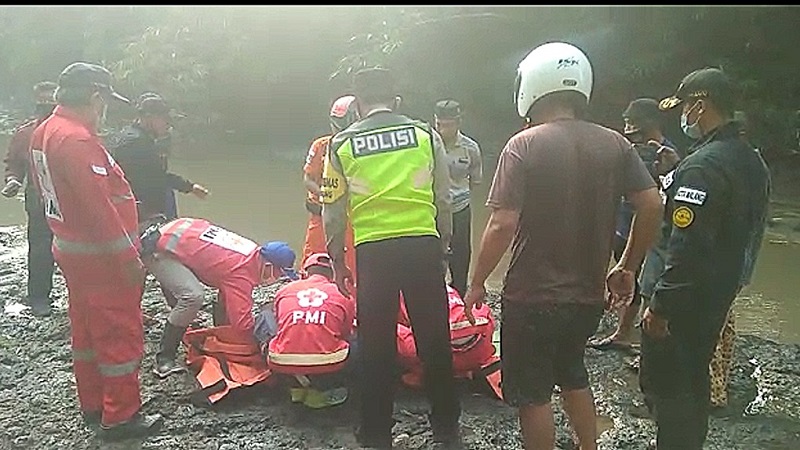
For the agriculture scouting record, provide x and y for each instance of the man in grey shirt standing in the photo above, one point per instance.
(466, 172)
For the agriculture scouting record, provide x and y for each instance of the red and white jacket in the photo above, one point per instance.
(219, 258)
(315, 322)
(471, 344)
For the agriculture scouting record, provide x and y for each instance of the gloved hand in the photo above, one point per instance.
(11, 188)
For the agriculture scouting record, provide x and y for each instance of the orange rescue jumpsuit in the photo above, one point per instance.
(92, 212)
(315, 234)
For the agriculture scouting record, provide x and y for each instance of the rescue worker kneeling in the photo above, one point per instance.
(473, 350)
(186, 254)
(309, 335)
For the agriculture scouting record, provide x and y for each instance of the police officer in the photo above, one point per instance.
(717, 199)
(141, 149)
(390, 175)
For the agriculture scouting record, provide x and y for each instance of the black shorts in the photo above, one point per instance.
(543, 346)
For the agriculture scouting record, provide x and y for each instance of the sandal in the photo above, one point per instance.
(611, 344)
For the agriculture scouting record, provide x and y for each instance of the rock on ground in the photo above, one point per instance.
(38, 404)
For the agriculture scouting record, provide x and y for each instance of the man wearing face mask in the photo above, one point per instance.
(142, 149)
(717, 199)
(642, 127)
(40, 238)
(92, 212)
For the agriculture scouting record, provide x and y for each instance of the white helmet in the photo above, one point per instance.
(551, 67)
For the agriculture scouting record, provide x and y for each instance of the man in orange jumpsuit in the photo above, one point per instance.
(92, 213)
(343, 114)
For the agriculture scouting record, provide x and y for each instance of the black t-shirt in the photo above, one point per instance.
(145, 167)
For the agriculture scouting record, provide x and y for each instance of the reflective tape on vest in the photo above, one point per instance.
(465, 324)
(115, 199)
(82, 355)
(119, 370)
(93, 248)
(175, 236)
(297, 359)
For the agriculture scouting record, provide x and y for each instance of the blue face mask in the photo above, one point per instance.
(693, 130)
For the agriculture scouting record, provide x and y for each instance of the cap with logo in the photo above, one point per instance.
(709, 82)
(82, 74)
(318, 259)
(280, 255)
(447, 109)
(640, 112)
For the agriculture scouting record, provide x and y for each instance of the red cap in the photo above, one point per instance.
(318, 259)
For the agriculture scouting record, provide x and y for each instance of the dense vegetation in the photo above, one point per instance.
(268, 74)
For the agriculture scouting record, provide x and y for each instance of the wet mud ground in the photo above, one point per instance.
(38, 404)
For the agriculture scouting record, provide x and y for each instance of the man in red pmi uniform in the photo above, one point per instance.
(189, 254)
(310, 329)
(92, 213)
(471, 344)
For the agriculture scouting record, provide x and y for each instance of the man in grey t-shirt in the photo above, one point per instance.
(466, 172)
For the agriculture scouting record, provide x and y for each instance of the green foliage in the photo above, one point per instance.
(263, 70)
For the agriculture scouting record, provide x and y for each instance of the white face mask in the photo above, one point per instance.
(693, 130)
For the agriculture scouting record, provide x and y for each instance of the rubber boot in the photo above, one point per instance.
(139, 426)
(40, 307)
(168, 349)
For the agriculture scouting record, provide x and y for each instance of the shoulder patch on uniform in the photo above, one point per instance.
(682, 217)
(666, 180)
(690, 195)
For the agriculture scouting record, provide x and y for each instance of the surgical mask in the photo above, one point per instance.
(693, 130)
(43, 110)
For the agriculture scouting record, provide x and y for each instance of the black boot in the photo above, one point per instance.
(92, 418)
(167, 352)
(139, 426)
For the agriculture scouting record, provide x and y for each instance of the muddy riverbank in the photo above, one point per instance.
(38, 406)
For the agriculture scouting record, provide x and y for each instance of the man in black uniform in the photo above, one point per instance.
(141, 149)
(717, 199)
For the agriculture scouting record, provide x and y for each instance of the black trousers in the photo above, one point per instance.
(674, 378)
(461, 247)
(412, 265)
(40, 254)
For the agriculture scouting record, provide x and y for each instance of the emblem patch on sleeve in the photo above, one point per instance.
(682, 217)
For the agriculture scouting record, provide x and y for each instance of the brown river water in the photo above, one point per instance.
(260, 195)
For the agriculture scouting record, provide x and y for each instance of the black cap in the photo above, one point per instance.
(709, 83)
(447, 109)
(374, 82)
(641, 112)
(81, 74)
